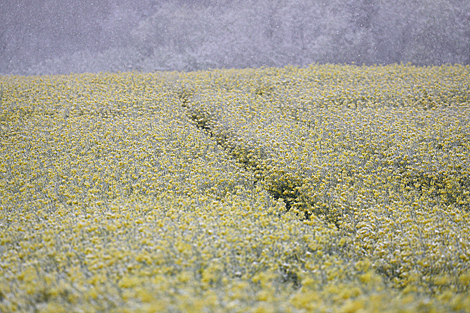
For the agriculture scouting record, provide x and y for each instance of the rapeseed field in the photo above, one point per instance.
(329, 188)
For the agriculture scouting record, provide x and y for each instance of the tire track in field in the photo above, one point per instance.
(250, 157)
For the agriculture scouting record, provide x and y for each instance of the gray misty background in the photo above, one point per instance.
(64, 36)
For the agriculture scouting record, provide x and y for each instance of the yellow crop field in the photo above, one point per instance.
(329, 188)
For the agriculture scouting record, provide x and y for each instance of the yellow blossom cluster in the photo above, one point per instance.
(317, 189)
